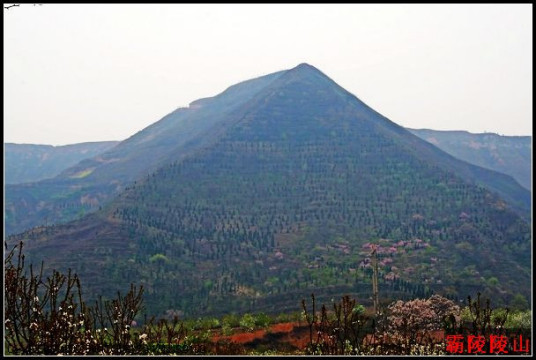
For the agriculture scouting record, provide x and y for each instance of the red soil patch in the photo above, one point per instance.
(283, 335)
(283, 327)
(292, 336)
(244, 338)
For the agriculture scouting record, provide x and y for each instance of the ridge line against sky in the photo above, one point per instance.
(83, 72)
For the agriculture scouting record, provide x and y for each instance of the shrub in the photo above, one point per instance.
(412, 321)
(50, 317)
(262, 320)
(338, 333)
(519, 321)
(247, 322)
(228, 322)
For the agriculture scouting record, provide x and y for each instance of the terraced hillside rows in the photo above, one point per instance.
(285, 198)
(91, 183)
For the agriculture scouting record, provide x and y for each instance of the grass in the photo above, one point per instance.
(82, 174)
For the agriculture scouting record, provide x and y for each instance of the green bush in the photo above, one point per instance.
(205, 324)
(519, 302)
(49, 317)
(228, 322)
(247, 322)
(519, 320)
(262, 320)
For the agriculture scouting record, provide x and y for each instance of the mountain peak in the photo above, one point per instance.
(266, 172)
(305, 66)
(306, 69)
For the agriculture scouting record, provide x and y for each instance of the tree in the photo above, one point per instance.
(411, 321)
(519, 302)
(48, 316)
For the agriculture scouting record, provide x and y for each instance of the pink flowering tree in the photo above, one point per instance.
(414, 321)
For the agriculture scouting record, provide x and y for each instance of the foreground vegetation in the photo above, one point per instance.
(49, 316)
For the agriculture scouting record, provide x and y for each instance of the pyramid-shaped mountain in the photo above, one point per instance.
(275, 189)
(89, 185)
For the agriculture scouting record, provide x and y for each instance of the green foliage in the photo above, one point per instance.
(492, 281)
(358, 309)
(519, 302)
(49, 317)
(229, 322)
(205, 323)
(482, 319)
(159, 258)
(521, 320)
(247, 322)
(247, 221)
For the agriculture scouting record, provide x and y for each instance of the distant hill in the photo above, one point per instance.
(277, 190)
(26, 163)
(507, 154)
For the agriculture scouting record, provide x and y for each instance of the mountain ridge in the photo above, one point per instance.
(507, 154)
(35, 162)
(282, 198)
(104, 176)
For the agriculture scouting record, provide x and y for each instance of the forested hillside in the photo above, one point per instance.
(284, 197)
(91, 183)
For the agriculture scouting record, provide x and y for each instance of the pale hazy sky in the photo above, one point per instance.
(77, 73)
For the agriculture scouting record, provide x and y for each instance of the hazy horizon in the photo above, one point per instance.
(96, 141)
(84, 73)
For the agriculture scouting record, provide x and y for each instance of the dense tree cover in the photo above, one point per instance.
(91, 183)
(48, 315)
(284, 202)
